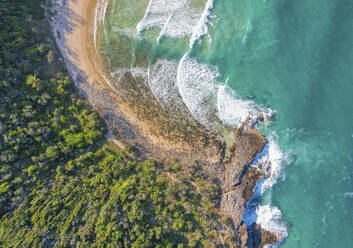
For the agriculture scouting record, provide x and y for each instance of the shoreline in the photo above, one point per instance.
(73, 26)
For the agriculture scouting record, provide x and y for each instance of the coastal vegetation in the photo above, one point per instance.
(62, 184)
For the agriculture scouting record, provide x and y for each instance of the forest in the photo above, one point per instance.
(62, 184)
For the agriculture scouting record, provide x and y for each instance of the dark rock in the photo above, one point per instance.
(269, 238)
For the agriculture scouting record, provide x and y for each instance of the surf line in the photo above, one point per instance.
(201, 28)
(250, 215)
(99, 18)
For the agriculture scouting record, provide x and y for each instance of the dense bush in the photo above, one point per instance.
(104, 199)
(43, 123)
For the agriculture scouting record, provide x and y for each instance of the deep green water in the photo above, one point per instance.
(297, 59)
(292, 56)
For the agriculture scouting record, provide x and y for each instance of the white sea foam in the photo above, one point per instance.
(175, 18)
(201, 28)
(181, 24)
(95, 24)
(269, 218)
(273, 163)
(119, 73)
(139, 73)
(159, 9)
(348, 194)
(162, 79)
(104, 12)
(205, 96)
(197, 84)
(233, 110)
(164, 28)
(99, 17)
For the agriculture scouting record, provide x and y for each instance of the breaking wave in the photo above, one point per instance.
(201, 28)
(162, 79)
(197, 84)
(99, 16)
(273, 163)
(175, 18)
(270, 219)
(233, 110)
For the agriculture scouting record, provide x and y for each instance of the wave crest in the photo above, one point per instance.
(270, 219)
(175, 18)
(201, 28)
(162, 79)
(233, 110)
(198, 87)
(273, 163)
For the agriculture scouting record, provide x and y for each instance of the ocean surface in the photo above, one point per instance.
(291, 60)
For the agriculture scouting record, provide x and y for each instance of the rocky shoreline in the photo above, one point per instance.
(134, 117)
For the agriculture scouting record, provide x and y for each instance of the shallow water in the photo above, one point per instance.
(292, 56)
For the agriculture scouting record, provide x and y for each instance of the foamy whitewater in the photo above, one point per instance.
(233, 110)
(162, 79)
(99, 15)
(175, 18)
(272, 163)
(269, 218)
(197, 84)
(201, 28)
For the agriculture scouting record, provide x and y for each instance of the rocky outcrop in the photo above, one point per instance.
(240, 178)
(268, 238)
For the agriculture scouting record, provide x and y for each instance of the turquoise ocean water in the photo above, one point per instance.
(294, 57)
